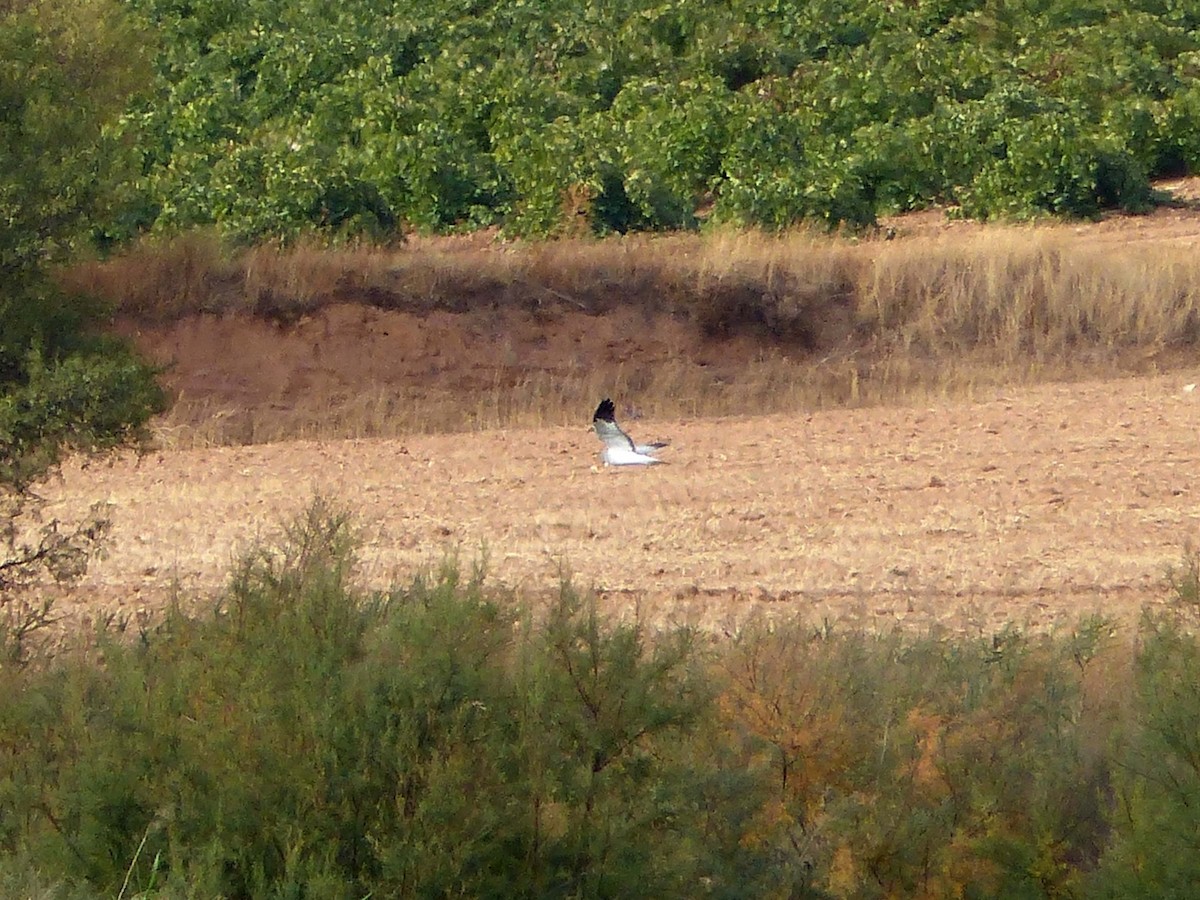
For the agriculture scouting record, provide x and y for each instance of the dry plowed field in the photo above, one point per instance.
(1035, 507)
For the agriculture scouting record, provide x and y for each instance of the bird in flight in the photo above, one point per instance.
(619, 448)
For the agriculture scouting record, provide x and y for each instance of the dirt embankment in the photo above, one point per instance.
(352, 370)
(468, 333)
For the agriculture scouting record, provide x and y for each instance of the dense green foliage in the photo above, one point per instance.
(66, 69)
(273, 117)
(306, 738)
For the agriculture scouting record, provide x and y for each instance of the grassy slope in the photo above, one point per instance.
(527, 333)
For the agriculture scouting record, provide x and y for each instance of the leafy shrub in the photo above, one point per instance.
(1153, 849)
(66, 68)
(1184, 581)
(1182, 128)
(557, 169)
(778, 172)
(1050, 164)
(61, 386)
(305, 736)
(302, 736)
(270, 119)
(671, 136)
(923, 768)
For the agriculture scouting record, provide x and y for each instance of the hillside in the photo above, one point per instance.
(455, 334)
(991, 495)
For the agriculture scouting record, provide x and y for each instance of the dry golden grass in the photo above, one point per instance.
(1034, 296)
(680, 325)
(1015, 290)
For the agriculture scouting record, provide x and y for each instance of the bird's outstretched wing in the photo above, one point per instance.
(619, 448)
(607, 429)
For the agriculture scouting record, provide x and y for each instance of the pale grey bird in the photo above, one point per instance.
(619, 448)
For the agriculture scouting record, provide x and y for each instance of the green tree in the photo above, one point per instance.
(271, 118)
(67, 68)
(1153, 850)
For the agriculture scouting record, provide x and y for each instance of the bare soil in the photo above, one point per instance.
(1032, 505)
(351, 369)
(1035, 508)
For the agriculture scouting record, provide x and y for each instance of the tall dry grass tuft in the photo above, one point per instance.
(1020, 292)
(1032, 296)
(773, 322)
(163, 280)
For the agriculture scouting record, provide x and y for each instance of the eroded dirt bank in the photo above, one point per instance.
(360, 371)
(466, 333)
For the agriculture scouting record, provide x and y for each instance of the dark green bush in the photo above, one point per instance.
(1154, 850)
(302, 737)
(65, 72)
(270, 119)
(1052, 163)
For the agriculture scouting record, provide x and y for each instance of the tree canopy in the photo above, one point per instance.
(67, 67)
(270, 118)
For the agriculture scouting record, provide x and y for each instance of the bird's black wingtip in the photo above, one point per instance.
(605, 412)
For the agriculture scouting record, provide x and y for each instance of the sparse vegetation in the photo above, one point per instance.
(1184, 580)
(301, 735)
